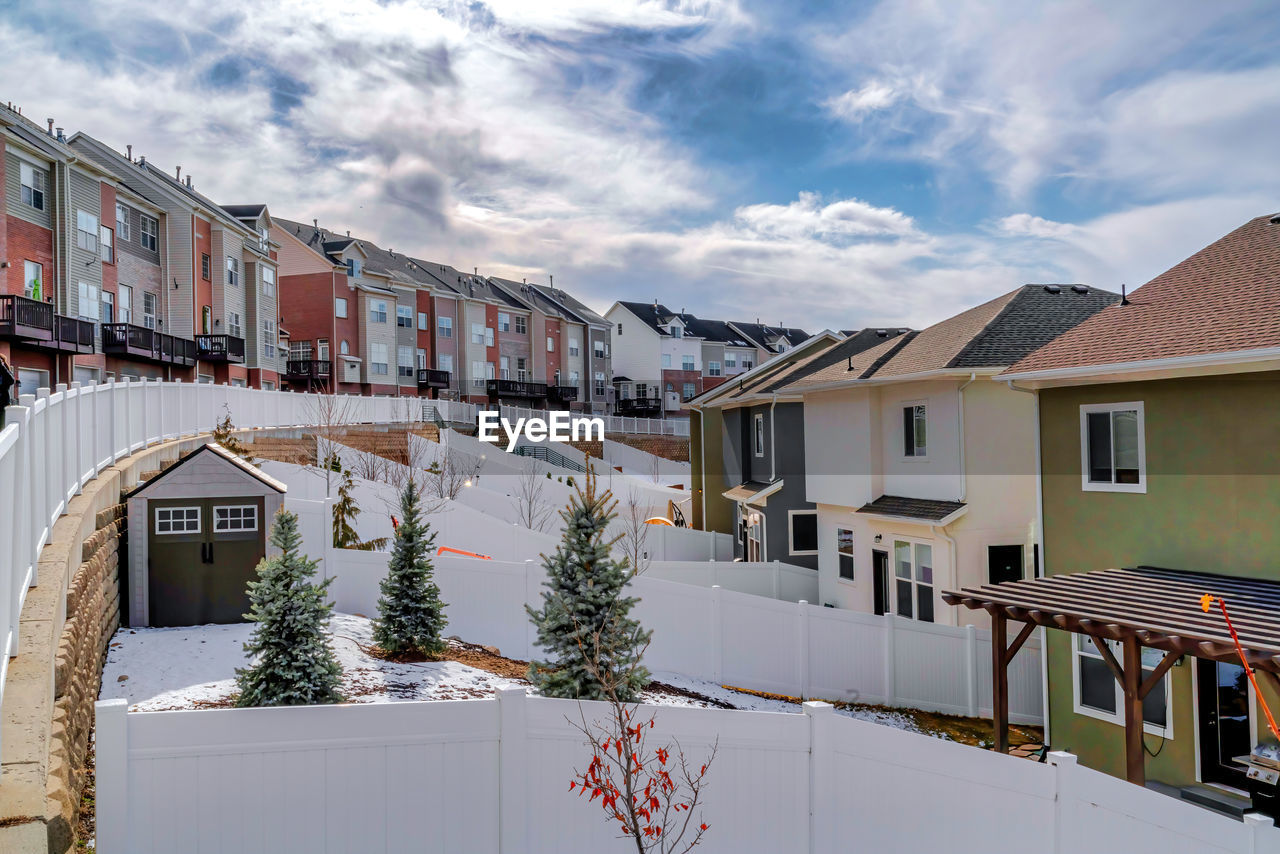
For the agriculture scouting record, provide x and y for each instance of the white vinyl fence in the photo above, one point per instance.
(465, 413)
(733, 636)
(492, 777)
(54, 443)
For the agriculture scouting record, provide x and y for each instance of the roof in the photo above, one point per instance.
(769, 375)
(217, 450)
(574, 305)
(245, 211)
(855, 367)
(752, 491)
(1223, 299)
(383, 262)
(1160, 607)
(927, 510)
(717, 331)
(655, 314)
(765, 336)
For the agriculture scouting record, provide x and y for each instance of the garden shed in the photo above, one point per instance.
(196, 534)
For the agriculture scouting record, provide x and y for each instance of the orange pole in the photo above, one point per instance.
(1205, 601)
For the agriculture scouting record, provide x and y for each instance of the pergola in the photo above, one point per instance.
(1144, 606)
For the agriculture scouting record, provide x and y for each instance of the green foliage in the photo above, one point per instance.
(291, 663)
(224, 435)
(345, 511)
(410, 613)
(583, 623)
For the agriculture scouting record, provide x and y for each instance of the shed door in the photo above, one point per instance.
(201, 556)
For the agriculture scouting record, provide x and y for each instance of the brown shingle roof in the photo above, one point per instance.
(1225, 298)
(852, 368)
(935, 347)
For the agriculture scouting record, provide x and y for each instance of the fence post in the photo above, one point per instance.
(890, 661)
(1065, 810)
(513, 777)
(531, 584)
(802, 628)
(717, 636)
(971, 668)
(777, 579)
(822, 778)
(112, 830)
(1261, 833)
(75, 443)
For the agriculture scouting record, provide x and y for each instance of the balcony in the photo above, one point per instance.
(26, 319)
(220, 348)
(515, 388)
(562, 393)
(431, 378)
(308, 370)
(72, 335)
(640, 406)
(138, 342)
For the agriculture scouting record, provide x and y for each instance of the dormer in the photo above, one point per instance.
(675, 328)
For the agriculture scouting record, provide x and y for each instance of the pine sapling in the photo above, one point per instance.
(291, 663)
(345, 511)
(410, 613)
(224, 434)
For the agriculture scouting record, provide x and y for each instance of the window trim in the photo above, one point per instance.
(902, 407)
(791, 532)
(1087, 485)
(933, 584)
(757, 434)
(340, 307)
(155, 521)
(852, 555)
(240, 507)
(148, 239)
(1165, 731)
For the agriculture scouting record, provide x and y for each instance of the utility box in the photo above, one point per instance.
(196, 534)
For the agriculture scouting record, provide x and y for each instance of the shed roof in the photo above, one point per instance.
(219, 451)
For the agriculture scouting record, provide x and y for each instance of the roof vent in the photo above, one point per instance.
(50, 121)
(1052, 289)
(882, 333)
(129, 152)
(1275, 219)
(177, 174)
(61, 136)
(1080, 289)
(188, 180)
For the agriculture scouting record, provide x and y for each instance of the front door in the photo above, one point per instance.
(880, 573)
(201, 555)
(1223, 701)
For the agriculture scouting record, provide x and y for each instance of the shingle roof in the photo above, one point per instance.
(924, 509)
(763, 333)
(1224, 298)
(245, 211)
(653, 314)
(714, 330)
(859, 366)
(584, 312)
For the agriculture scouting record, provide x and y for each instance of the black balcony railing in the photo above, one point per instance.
(639, 405)
(25, 318)
(138, 342)
(72, 335)
(431, 378)
(219, 348)
(562, 393)
(515, 388)
(307, 370)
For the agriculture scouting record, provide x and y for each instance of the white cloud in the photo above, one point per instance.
(855, 103)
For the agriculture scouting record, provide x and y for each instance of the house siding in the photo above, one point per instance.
(13, 190)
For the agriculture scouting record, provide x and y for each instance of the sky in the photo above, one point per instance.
(821, 165)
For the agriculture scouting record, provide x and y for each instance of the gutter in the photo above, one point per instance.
(1203, 360)
(964, 472)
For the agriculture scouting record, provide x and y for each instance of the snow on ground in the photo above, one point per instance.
(184, 668)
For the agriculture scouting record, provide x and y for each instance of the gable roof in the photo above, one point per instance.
(655, 315)
(572, 304)
(219, 451)
(1224, 299)
(769, 375)
(766, 337)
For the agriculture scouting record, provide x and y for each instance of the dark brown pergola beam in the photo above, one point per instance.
(1002, 653)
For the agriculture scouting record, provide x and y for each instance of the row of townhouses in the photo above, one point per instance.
(114, 268)
(662, 359)
(1058, 457)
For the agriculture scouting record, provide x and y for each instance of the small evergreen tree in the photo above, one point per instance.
(410, 613)
(345, 511)
(291, 663)
(224, 435)
(583, 623)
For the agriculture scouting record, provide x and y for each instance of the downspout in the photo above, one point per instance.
(964, 472)
(773, 442)
(1044, 640)
(941, 531)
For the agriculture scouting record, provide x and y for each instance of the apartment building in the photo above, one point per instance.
(593, 357)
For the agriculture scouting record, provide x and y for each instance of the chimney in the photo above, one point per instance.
(50, 121)
(61, 138)
(315, 223)
(143, 159)
(475, 271)
(177, 173)
(188, 180)
(129, 152)
(348, 232)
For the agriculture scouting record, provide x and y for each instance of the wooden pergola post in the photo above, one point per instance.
(1000, 681)
(1134, 762)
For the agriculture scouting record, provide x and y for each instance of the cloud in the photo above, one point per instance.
(808, 217)
(855, 103)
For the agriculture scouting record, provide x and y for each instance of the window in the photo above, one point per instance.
(269, 339)
(107, 305)
(666, 360)
(690, 391)
(731, 360)
(844, 553)
(913, 580)
(422, 321)
(686, 363)
(106, 245)
(32, 277)
(1004, 563)
(420, 356)
(31, 380)
(322, 346)
(378, 358)
(344, 347)
(477, 374)
(269, 282)
(34, 182)
(177, 520)
(264, 240)
(488, 370)
(206, 266)
(1099, 695)
(404, 361)
(148, 310)
(802, 528)
(746, 363)
(444, 327)
(89, 307)
(573, 346)
(444, 362)
(235, 518)
(300, 350)
(404, 317)
(339, 307)
(477, 333)
(233, 324)
(522, 324)
(599, 384)
(619, 327)
(574, 378)
(522, 372)
(87, 231)
(233, 271)
(597, 348)
(1113, 448)
(353, 267)
(504, 367)
(125, 314)
(641, 390)
(504, 322)
(676, 331)
(122, 222)
(913, 430)
(488, 336)
(150, 229)
(378, 312)
(268, 385)
(551, 344)
(713, 369)
(206, 319)
(759, 433)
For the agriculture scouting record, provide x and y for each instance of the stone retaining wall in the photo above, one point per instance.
(669, 447)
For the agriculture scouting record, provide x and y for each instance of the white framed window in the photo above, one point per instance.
(844, 553)
(599, 390)
(666, 360)
(802, 532)
(488, 336)
(177, 520)
(504, 322)
(125, 314)
(477, 333)
(148, 309)
(758, 421)
(269, 339)
(713, 369)
(404, 317)
(107, 306)
(344, 347)
(504, 367)
(233, 324)
(339, 307)
(268, 385)
(746, 363)
(913, 580)
(233, 271)
(421, 356)
(235, 517)
(354, 267)
(404, 361)
(35, 182)
(300, 350)
(1097, 693)
(690, 391)
(444, 327)
(422, 321)
(730, 360)
(522, 371)
(106, 245)
(32, 279)
(522, 324)
(597, 348)
(488, 370)
(915, 420)
(444, 362)
(574, 377)
(122, 222)
(551, 344)
(378, 311)
(89, 304)
(1113, 452)
(378, 358)
(268, 282)
(149, 228)
(573, 347)
(322, 349)
(87, 231)
(687, 363)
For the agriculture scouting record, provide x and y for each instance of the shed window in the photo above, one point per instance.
(177, 520)
(235, 518)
